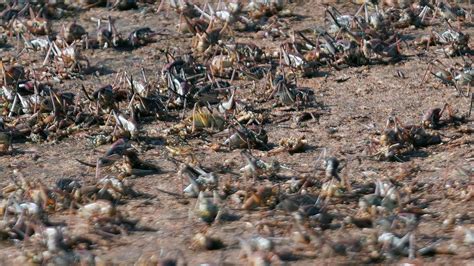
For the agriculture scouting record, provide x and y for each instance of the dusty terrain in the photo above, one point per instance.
(354, 104)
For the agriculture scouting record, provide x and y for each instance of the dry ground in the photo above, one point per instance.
(353, 110)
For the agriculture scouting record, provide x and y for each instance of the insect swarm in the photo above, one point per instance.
(5, 142)
(199, 180)
(256, 167)
(68, 60)
(247, 137)
(203, 41)
(258, 251)
(179, 136)
(140, 37)
(433, 117)
(261, 197)
(397, 139)
(291, 145)
(72, 32)
(204, 118)
(36, 24)
(205, 242)
(287, 93)
(206, 209)
(220, 65)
